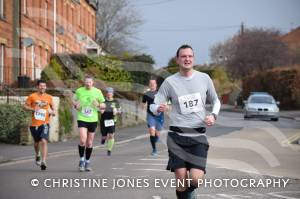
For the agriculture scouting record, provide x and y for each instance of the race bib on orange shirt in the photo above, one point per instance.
(40, 114)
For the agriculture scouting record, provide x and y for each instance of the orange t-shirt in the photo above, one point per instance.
(43, 102)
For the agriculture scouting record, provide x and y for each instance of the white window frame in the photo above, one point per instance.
(32, 63)
(24, 6)
(2, 63)
(25, 60)
(39, 56)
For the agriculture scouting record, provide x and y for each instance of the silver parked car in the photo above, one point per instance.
(261, 105)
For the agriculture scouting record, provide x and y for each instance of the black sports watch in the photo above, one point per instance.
(215, 115)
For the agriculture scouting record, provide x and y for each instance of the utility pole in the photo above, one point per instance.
(242, 29)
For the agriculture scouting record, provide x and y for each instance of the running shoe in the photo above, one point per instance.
(87, 166)
(38, 160)
(154, 152)
(191, 195)
(102, 141)
(108, 153)
(43, 166)
(81, 165)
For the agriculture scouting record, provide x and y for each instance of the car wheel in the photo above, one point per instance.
(274, 119)
(246, 117)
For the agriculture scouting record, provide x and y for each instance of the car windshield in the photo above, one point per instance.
(262, 99)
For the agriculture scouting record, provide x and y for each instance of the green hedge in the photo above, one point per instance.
(282, 83)
(12, 119)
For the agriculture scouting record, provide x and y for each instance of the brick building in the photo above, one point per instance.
(32, 30)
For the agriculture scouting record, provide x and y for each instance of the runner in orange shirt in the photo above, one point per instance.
(41, 105)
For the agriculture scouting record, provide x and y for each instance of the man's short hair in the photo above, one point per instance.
(152, 78)
(184, 46)
(40, 81)
(88, 76)
(110, 90)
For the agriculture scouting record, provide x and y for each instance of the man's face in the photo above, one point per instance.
(42, 87)
(152, 85)
(109, 95)
(185, 59)
(88, 82)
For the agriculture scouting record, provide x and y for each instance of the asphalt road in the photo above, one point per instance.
(247, 159)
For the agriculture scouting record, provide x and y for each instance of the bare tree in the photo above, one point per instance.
(117, 24)
(253, 50)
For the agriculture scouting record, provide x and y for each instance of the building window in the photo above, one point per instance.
(1, 63)
(1, 9)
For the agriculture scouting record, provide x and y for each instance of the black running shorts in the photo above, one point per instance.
(91, 126)
(187, 152)
(40, 132)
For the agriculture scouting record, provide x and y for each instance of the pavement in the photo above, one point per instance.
(11, 153)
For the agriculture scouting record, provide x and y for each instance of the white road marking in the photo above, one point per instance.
(145, 159)
(278, 194)
(146, 164)
(149, 170)
(117, 168)
(156, 197)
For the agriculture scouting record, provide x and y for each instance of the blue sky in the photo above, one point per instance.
(203, 23)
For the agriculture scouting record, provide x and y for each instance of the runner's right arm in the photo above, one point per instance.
(27, 105)
(160, 100)
(75, 101)
(101, 100)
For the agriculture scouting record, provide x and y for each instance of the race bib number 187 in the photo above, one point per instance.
(191, 103)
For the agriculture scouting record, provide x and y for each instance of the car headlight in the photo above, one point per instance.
(251, 109)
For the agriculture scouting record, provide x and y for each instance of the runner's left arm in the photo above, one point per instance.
(75, 101)
(144, 101)
(213, 97)
(52, 110)
(101, 101)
